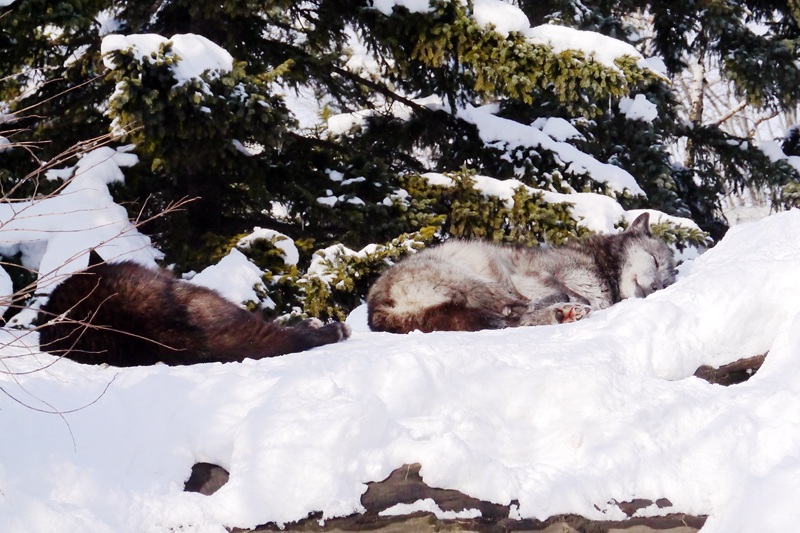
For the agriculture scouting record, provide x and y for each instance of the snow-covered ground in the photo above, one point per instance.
(563, 419)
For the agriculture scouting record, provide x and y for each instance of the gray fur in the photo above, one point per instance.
(472, 285)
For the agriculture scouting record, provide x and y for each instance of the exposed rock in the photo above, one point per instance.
(405, 485)
(630, 508)
(733, 373)
(206, 478)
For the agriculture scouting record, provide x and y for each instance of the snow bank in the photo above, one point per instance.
(563, 419)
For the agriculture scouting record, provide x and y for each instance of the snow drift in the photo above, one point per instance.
(564, 419)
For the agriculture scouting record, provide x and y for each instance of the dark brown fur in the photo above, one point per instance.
(125, 314)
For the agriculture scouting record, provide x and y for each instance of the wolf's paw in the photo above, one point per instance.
(569, 312)
(339, 329)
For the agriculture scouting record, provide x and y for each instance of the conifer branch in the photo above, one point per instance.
(380, 88)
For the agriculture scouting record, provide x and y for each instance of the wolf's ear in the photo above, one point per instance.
(94, 258)
(641, 224)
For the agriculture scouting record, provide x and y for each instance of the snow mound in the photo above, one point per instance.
(235, 278)
(563, 419)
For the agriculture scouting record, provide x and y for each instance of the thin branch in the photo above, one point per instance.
(382, 89)
(724, 118)
(57, 95)
(760, 120)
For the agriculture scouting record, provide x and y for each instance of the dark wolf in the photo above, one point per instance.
(473, 285)
(125, 314)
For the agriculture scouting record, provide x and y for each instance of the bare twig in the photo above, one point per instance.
(724, 118)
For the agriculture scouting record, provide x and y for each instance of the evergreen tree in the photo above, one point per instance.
(405, 93)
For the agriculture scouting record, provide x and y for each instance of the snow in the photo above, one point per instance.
(343, 122)
(429, 506)
(774, 151)
(6, 289)
(638, 108)
(415, 6)
(284, 243)
(360, 61)
(493, 129)
(657, 65)
(504, 18)
(330, 201)
(557, 128)
(563, 419)
(197, 54)
(545, 134)
(108, 22)
(305, 105)
(595, 212)
(55, 233)
(235, 278)
(603, 49)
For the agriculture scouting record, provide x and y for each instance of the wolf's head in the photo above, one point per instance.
(647, 263)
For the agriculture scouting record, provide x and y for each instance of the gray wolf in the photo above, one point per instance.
(125, 314)
(473, 285)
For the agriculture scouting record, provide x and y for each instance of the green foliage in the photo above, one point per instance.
(640, 147)
(681, 236)
(725, 163)
(280, 269)
(235, 142)
(467, 212)
(338, 278)
(790, 195)
(192, 137)
(756, 43)
(496, 66)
